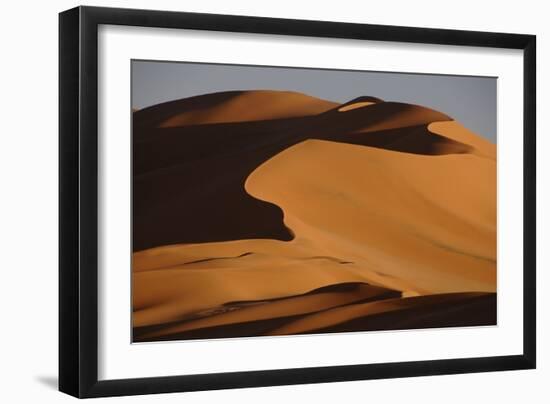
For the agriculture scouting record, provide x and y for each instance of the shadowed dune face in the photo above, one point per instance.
(271, 213)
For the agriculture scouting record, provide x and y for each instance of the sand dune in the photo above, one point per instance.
(231, 106)
(455, 131)
(358, 102)
(216, 159)
(442, 310)
(313, 314)
(401, 228)
(264, 313)
(267, 213)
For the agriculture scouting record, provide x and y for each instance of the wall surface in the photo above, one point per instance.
(28, 207)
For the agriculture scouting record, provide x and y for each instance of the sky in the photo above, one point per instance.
(469, 100)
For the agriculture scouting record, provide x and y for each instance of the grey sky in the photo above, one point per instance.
(470, 100)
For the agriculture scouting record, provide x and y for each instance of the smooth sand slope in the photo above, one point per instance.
(256, 216)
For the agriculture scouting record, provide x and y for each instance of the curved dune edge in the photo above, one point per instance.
(398, 202)
(455, 131)
(355, 105)
(391, 115)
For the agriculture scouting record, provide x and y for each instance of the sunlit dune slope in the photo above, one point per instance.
(363, 216)
(421, 218)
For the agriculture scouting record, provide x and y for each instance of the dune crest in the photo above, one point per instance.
(232, 106)
(355, 106)
(455, 131)
(358, 103)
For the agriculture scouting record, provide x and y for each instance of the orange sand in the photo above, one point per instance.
(387, 218)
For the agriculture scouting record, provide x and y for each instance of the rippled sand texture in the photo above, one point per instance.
(275, 213)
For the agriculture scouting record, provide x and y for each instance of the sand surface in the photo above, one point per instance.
(272, 213)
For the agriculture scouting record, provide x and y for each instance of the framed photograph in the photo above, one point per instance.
(251, 201)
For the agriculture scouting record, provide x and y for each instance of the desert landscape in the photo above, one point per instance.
(263, 213)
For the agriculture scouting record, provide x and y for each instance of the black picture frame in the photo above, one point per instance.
(78, 196)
